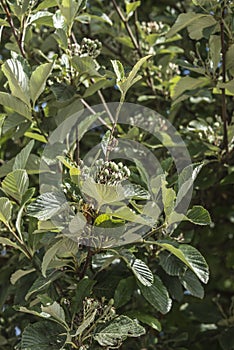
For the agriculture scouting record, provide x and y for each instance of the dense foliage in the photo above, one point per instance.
(70, 276)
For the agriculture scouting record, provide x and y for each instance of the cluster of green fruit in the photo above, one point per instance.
(107, 172)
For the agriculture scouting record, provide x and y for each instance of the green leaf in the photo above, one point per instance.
(25, 199)
(43, 335)
(86, 322)
(83, 290)
(38, 80)
(77, 224)
(150, 320)
(142, 272)
(5, 210)
(128, 214)
(118, 330)
(229, 86)
(132, 78)
(56, 312)
(188, 84)
(85, 66)
(6, 241)
(93, 88)
(63, 92)
(46, 4)
(131, 7)
(198, 215)
(16, 184)
(215, 50)
(102, 193)
(191, 283)
(189, 20)
(119, 70)
(22, 157)
(195, 29)
(47, 205)
(19, 274)
(49, 256)
(157, 295)
(17, 79)
(69, 9)
(42, 18)
(171, 264)
(12, 121)
(35, 136)
(191, 257)
(15, 104)
(168, 198)
(124, 291)
(41, 283)
(229, 58)
(134, 191)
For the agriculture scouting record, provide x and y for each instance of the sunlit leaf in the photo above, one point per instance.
(16, 184)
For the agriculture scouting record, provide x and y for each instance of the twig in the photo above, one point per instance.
(11, 23)
(134, 42)
(93, 112)
(106, 106)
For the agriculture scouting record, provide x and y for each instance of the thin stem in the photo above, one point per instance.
(93, 112)
(86, 263)
(39, 127)
(128, 28)
(20, 241)
(223, 95)
(106, 106)
(11, 23)
(134, 42)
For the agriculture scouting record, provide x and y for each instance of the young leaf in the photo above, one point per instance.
(131, 7)
(16, 184)
(157, 295)
(106, 142)
(118, 330)
(5, 210)
(119, 70)
(15, 104)
(132, 78)
(38, 80)
(17, 79)
(22, 157)
(168, 198)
